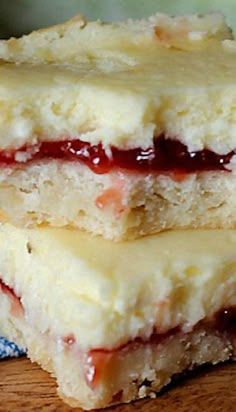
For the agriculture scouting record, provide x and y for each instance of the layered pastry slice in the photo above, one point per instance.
(112, 321)
(121, 129)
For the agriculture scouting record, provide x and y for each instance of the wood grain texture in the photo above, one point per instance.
(24, 387)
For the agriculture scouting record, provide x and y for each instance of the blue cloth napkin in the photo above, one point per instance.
(9, 349)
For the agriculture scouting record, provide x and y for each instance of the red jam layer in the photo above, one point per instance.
(97, 359)
(225, 320)
(6, 289)
(167, 155)
(16, 305)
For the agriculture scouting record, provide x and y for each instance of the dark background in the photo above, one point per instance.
(21, 16)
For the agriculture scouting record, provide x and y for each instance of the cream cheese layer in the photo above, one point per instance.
(121, 84)
(106, 294)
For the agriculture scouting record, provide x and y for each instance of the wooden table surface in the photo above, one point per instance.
(25, 387)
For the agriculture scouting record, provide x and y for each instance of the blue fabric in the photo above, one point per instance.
(9, 349)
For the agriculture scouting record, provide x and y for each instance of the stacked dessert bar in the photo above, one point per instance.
(118, 206)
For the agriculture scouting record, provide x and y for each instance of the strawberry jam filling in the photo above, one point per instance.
(16, 305)
(166, 156)
(98, 360)
(6, 289)
(226, 320)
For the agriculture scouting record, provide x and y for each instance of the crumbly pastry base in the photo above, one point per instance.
(117, 205)
(140, 369)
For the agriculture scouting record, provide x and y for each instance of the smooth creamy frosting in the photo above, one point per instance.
(106, 293)
(121, 83)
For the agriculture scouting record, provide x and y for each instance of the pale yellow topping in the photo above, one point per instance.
(121, 83)
(108, 293)
(77, 40)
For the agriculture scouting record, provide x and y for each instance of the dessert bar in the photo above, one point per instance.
(122, 129)
(147, 309)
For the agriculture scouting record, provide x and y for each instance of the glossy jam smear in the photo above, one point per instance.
(16, 305)
(166, 156)
(98, 359)
(226, 320)
(6, 289)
